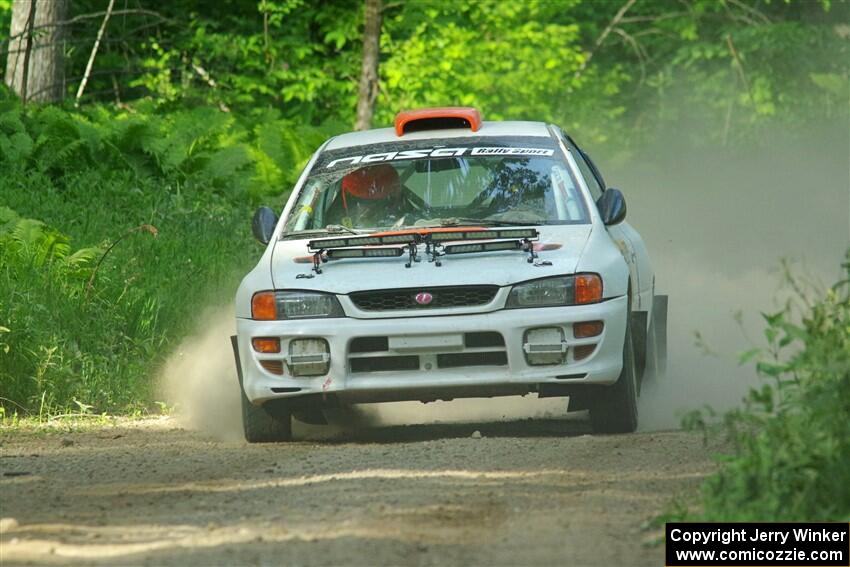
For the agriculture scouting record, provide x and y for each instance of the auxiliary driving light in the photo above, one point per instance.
(544, 346)
(309, 357)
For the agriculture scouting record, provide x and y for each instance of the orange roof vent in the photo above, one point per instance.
(437, 119)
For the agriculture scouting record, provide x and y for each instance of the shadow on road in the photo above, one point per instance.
(527, 428)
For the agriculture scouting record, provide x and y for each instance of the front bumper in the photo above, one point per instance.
(431, 378)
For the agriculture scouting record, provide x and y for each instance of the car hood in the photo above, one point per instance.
(501, 268)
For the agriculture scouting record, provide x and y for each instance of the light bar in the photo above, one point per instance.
(415, 237)
(518, 233)
(483, 247)
(326, 243)
(406, 238)
(337, 253)
(484, 234)
(442, 236)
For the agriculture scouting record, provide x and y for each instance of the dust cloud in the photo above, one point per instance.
(199, 378)
(717, 224)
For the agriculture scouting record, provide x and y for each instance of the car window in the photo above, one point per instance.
(453, 186)
(431, 182)
(586, 172)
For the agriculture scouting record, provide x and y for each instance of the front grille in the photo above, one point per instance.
(483, 339)
(373, 354)
(442, 297)
(461, 359)
(384, 363)
(369, 344)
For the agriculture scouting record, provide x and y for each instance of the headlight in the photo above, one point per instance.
(272, 305)
(563, 290)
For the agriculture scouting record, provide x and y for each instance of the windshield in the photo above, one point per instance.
(428, 183)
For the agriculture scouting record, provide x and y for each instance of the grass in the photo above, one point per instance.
(69, 343)
(83, 329)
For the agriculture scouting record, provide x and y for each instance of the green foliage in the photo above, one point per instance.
(704, 71)
(512, 60)
(792, 439)
(198, 147)
(192, 172)
(39, 273)
(101, 344)
(99, 173)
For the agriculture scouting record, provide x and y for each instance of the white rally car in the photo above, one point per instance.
(447, 258)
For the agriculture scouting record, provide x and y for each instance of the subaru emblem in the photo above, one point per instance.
(424, 298)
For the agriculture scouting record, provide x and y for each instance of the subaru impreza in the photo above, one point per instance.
(447, 257)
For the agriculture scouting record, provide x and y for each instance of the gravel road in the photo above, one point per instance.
(541, 492)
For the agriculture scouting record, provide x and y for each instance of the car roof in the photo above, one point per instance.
(382, 135)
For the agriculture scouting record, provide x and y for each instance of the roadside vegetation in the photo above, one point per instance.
(790, 442)
(125, 205)
(148, 226)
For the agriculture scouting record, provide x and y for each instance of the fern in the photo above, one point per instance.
(15, 143)
(184, 136)
(202, 149)
(37, 243)
(223, 167)
(8, 218)
(282, 150)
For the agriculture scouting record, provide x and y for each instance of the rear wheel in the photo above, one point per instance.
(269, 423)
(614, 408)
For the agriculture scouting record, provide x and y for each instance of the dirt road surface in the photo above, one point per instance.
(523, 493)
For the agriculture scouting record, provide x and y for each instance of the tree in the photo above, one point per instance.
(35, 62)
(367, 92)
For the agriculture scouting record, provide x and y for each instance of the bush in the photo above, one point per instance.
(792, 439)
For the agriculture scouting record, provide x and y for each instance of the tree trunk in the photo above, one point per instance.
(37, 30)
(367, 92)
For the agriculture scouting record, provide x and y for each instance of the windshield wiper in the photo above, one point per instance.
(341, 228)
(330, 229)
(456, 221)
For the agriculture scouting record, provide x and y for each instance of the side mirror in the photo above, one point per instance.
(263, 224)
(612, 206)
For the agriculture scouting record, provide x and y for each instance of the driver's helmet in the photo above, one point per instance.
(371, 183)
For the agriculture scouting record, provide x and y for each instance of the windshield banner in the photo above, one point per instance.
(439, 153)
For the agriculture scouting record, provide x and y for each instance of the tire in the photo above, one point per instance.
(269, 423)
(614, 408)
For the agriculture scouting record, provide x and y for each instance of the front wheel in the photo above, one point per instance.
(269, 423)
(614, 408)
